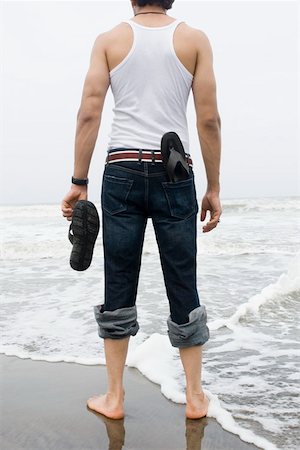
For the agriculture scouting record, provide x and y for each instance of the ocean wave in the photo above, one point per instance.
(34, 250)
(222, 247)
(286, 283)
(228, 423)
(264, 204)
(60, 248)
(40, 232)
(228, 204)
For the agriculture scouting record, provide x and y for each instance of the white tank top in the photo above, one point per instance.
(150, 88)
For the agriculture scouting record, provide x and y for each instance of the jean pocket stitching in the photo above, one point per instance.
(173, 184)
(117, 179)
(188, 205)
(112, 180)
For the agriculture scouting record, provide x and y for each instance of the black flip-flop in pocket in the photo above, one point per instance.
(174, 157)
(85, 228)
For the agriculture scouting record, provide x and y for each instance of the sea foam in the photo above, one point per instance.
(287, 282)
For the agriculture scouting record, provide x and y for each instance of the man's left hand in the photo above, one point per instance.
(68, 203)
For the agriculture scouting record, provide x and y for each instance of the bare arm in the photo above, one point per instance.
(95, 87)
(208, 127)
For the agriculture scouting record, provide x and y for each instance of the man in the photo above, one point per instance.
(150, 81)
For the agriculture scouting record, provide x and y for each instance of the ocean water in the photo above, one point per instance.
(248, 278)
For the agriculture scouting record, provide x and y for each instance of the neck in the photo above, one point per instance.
(148, 8)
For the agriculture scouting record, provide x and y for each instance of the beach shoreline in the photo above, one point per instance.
(43, 406)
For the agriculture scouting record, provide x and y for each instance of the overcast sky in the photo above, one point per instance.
(46, 49)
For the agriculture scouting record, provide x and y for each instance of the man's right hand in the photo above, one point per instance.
(68, 203)
(211, 202)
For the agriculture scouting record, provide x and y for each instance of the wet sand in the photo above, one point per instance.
(43, 406)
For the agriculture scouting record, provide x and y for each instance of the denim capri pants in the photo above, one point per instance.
(133, 191)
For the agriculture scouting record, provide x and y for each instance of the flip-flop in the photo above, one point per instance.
(85, 227)
(174, 157)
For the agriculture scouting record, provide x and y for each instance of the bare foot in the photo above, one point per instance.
(196, 405)
(107, 404)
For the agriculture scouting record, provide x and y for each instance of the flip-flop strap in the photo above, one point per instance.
(174, 158)
(71, 236)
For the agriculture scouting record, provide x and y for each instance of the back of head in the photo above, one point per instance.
(165, 4)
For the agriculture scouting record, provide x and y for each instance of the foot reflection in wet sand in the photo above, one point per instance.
(194, 432)
(115, 431)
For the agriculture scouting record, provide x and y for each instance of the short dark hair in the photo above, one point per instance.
(166, 4)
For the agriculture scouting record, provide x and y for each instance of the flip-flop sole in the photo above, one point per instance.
(85, 227)
(172, 140)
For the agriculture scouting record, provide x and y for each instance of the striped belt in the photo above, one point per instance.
(139, 155)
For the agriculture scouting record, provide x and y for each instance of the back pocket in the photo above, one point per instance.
(181, 197)
(115, 191)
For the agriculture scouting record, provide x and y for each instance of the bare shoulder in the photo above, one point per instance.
(113, 33)
(199, 37)
(100, 42)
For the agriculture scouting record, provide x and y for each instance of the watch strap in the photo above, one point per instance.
(80, 181)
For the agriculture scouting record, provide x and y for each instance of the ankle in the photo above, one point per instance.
(116, 394)
(195, 392)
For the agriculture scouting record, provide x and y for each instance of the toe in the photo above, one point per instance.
(90, 400)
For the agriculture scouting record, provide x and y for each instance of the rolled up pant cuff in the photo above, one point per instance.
(116, 324)
(194, 332)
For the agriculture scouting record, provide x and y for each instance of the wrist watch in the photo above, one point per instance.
(80, 181)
